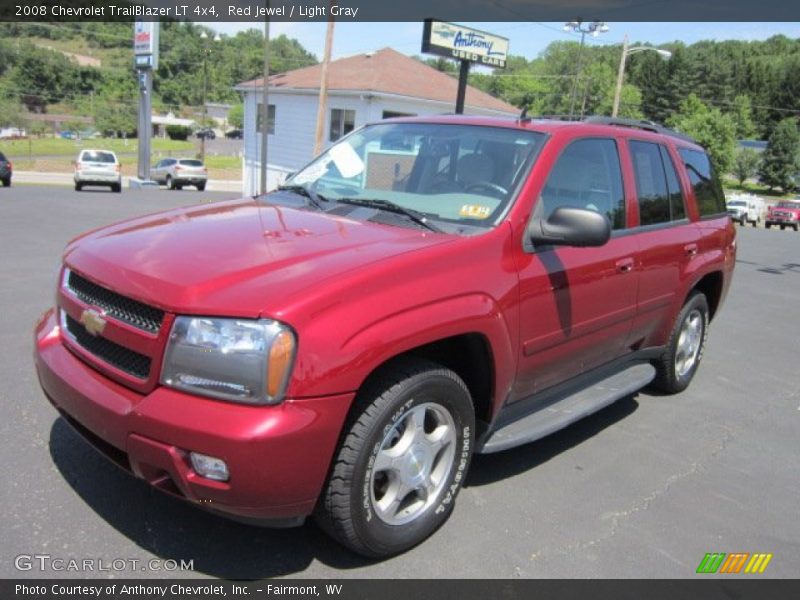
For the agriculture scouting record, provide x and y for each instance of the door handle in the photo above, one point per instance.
(625, 265)
(690, 249)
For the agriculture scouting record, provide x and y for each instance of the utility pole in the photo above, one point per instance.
(265, 105)
(323, 88)
(620, 76)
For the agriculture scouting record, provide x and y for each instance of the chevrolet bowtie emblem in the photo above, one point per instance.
(93, 321)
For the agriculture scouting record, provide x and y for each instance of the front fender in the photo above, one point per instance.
(345, 366)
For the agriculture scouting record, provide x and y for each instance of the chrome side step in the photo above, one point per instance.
(569, 408)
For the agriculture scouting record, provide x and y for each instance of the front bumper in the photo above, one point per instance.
(278, 456)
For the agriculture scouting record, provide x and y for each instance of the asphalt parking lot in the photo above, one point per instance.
(642, 489)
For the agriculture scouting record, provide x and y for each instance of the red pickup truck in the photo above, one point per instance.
(424, 290)
(785, 213)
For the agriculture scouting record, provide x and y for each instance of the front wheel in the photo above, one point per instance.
(684, 351)
(170, 183)
(7, 182)
(403, 459)
(767, 225)
(201, 187)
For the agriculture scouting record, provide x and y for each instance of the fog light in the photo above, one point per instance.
(209, 467)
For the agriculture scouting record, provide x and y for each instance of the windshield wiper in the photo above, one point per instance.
(314, 198)
(389, 206)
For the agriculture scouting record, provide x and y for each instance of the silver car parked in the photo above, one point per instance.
(98, 167)
(178, 172)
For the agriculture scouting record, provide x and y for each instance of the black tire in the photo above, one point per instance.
(117, 188)
(783, 227)
(170, 183)
(384, 413)
(767, 225)
(201, 187)
(78, 187)
(670, 378)
(7, 182)
(742, 221)
(178, 187)
(794, 227)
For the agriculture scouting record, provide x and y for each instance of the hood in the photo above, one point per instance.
(234, 258)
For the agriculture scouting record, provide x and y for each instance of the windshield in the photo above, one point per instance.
(794, 205)
(461, 177)
(737, 203)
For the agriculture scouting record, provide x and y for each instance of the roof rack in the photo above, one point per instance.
(639, 124)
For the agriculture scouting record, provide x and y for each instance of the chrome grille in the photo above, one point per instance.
(118, 356)
(115, 305)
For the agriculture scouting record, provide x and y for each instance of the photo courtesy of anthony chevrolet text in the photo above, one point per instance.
(428, 299)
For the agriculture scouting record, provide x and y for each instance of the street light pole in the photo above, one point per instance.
(206, 54)
(594, 28)
(626, 52)
(205, 109)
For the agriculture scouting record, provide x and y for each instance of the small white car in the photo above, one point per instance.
(178, 172)
(98, 167)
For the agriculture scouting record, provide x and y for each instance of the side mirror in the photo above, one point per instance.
(570, 227)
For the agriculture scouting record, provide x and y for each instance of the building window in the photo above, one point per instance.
(342, 122)
(260, 122)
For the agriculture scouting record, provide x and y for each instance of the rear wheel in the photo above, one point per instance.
(201, 187)
(7, 182)
(743, 220)
(783, 227)
(117, 187)
(78, 186)
(402, 461)
(767, 225)
(794, 226)
(684, 351)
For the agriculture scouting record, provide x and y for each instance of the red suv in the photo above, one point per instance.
(423, 290)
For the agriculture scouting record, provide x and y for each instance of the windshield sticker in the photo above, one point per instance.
(347, 161)
(313, 172)
(474, 211)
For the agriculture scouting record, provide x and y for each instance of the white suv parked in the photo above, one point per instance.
(98, 167)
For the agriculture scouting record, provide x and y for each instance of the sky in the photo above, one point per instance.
(526, 39)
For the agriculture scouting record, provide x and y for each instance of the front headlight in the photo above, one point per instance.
(233, 359)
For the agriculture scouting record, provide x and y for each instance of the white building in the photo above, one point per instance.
(361, 89)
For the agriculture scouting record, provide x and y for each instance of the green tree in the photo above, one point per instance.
(236, 116)
(710, 128)
(742, 114)
(11, 113)
(745, 164)
(780, 163)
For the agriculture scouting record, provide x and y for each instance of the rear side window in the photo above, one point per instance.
(676, 204)
(657, 186)
(706, 185)
(587, 175)
(100, 157)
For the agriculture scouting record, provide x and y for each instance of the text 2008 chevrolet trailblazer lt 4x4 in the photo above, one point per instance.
(425, 289)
